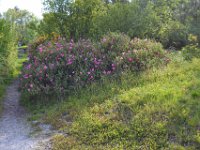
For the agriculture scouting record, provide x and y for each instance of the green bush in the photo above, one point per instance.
(8, 50)
(115, 43)
(191, 51)
(143, 54)
(173, 34)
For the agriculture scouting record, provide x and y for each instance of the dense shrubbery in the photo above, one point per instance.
(8, 52)
(56, 67)
(191, 51)
(173, 34)
(170, 22)
(144, 54)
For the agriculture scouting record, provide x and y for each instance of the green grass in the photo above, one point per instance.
(19, 64)
(22, 47)
(157, 109)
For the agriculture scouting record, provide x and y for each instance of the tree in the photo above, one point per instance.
(8, 52)
(21, 19)
(74, 18)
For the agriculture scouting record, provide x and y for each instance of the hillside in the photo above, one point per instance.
(156, 109)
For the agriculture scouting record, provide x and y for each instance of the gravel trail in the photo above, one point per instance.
(15, 130)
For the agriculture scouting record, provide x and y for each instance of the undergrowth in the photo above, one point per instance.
(157, 109)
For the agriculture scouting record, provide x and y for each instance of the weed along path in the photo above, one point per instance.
(15, 130)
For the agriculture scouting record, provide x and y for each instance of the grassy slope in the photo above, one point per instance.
(159, 109)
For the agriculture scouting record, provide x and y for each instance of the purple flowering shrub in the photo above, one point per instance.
(56, 67)
(59, 67)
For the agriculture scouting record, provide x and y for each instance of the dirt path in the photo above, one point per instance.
(15, 130)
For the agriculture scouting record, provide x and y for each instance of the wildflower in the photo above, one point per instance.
(58, 58)
(70, 48)
(69, 62)
(40, 49)
(31, 85)
(59, 46)
(91, 77)
(26, 76)
(71, 45)
(45, 67)
(96, 62)
(28, 67)
(130, 59)
(62, 54)
(104, 40)
(113, 66)
(51, 66)
(109, 72)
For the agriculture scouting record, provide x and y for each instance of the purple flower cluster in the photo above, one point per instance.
(57, 67)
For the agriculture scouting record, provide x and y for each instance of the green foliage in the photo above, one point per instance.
(168, 21)
(160, 19)
(129, 18)
(25, 24)
(115, 43)
(173, 34)
(8, 51)
(191, 51)
(144, 54)
(158, 109)
(48, 25)
(72, 19)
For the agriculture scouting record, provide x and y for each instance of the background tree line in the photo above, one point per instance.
(168, 21)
